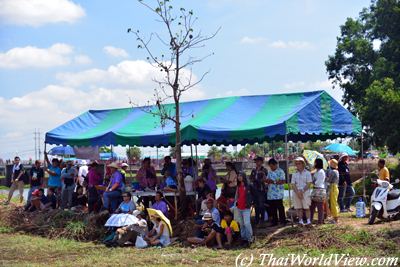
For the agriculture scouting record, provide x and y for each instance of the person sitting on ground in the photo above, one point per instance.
(160, 204)
(36, 176)
(208, 233)
(301, 184)
(383, 171)
(51, 197)
(203, 208)
(38, 201)
(79, 200)
(159, 235)
(231, 229)
(128, 234)
(202, 190)
(170, 183)
(127, 205)
(213, 210)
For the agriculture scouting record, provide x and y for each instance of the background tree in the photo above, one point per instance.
(366, 63)
(133, 154)
(104, 149)
(179, 39)
(214, 153)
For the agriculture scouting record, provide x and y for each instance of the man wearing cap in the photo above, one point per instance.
(113, 192)
(68, 176)
(346, 190)
(257, 178)
(124, 168)
(208, 233)
(301, 184)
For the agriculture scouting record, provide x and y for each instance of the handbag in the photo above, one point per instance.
(318, 195)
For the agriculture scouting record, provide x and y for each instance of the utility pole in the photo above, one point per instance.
(34, 134)
(39, 145)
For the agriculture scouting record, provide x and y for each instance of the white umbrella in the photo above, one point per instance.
(120, 220)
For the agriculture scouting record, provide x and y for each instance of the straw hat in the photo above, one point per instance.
(343, 156)
(113, 165)
(300, 159)
(333, 163)
(207, 217)
(124, 165)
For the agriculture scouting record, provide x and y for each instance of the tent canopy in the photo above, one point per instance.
(230, 120)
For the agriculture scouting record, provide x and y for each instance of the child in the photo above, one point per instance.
(231, 232)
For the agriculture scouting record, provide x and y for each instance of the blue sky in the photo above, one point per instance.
(77, 55)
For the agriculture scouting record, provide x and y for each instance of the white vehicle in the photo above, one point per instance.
(385, 202)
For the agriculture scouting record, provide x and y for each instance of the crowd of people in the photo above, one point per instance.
(222, 218)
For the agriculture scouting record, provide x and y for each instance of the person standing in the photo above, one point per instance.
(17, 181)
(301, 184)
(94, 179)
(112, 195)
(275, 180)
(318, 194)
(209, 175)
(333, 189)
(68, 177)
(257, 178)
(383, 171)
(36, 176)
(230, 181)
(243, 201)
(82, 175)
(54, 171)
(346, 190)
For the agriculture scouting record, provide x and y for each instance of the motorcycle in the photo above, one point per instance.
(385, 202)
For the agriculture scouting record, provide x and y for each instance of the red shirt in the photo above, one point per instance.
(241, 201)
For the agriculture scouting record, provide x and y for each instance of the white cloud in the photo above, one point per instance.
(291, 45)
(253, 40)
(53, 105)
(82, 60)
(39, 12)
(33, 57)
(115, 51)
(298, 45)
(125, 74)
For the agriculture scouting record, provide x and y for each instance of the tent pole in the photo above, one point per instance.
(45, 152)
(197, 164)
(362, 163)
(287, 175)
(112, 154)
(158, 163)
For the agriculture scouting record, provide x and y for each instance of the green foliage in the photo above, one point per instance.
(104, 149)
(133, 153)
(215, 153)
(75, 228)
(366, 66)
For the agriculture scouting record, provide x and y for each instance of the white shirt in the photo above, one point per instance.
(301, 179)
(83, 171)
(319, 179)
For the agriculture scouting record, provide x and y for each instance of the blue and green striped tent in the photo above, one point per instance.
(230, 120)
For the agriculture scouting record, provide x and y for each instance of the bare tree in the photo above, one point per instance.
(180, 39)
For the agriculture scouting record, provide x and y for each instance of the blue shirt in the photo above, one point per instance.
(215, 215)
(117, 178)
(162, 206)
(127, 207)
(54, 180)
(170, 182)
(276, 191)
(171, 168)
